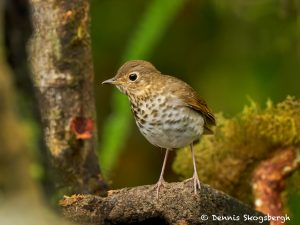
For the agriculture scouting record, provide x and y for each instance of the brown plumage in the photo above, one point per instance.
(192, 100)
(168, 112)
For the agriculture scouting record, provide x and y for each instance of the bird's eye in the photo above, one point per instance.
(133, 76)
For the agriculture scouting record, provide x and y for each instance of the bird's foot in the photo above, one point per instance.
(161, 183)
(196, 181)
(197, 184)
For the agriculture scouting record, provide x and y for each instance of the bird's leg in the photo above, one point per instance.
(161, 180)
(195, 177)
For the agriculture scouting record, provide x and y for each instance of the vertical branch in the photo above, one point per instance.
(61, 63)
(268, 181)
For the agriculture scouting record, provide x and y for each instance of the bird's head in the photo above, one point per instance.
(134, 77)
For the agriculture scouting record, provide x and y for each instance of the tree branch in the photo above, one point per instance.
(269, 180)
(177, 204)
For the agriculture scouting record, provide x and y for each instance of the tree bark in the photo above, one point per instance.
(177, 204)
(21, 200)
(269, 181)
(61, 63)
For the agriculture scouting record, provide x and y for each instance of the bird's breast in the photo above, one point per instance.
(166, 123)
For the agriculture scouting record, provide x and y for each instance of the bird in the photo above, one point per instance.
(168, 112)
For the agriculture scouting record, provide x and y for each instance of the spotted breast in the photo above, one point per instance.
(165, 122)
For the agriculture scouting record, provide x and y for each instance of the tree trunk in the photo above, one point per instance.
(61, 63)
(21, 200)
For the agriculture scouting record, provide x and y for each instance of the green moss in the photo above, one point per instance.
(226, 159)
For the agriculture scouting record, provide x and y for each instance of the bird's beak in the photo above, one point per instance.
(109, 81)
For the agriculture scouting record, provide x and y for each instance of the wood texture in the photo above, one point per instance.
(62, 69)
(269, 181)
(177, 204)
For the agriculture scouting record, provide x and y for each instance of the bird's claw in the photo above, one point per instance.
(196, 181)
(161, 182)
(197, 184)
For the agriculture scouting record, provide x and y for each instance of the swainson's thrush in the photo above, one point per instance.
(167, 111)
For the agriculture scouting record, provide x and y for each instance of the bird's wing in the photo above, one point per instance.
(200, 106)
(190, 98)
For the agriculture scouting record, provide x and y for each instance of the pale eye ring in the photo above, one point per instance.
(133, 76)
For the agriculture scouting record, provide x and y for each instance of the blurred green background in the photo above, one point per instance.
(228, 50)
